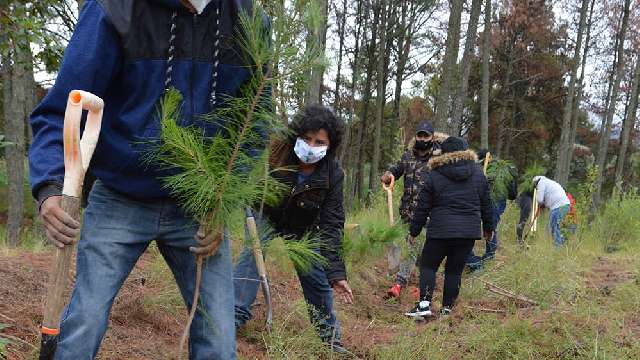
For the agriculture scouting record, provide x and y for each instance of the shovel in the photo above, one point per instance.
(394, 255)
(77, 155)
(487, 158)
(262, 269)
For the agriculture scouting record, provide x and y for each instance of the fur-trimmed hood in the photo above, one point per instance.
(457, 165)
(453, 157)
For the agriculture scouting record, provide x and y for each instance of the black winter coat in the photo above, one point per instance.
(456, 198)
(315, 206)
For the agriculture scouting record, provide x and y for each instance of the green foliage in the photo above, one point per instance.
(292, 59)
(586, 191)
(219, 174)
(526, 180)
(618, 224)
(303, 253)
(500, 174)
(3, 341)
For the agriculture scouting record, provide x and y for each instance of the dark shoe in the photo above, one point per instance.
(338, 348)
(445, 311)
(420, 311)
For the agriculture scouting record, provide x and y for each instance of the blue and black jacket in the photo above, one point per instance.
(119, 51)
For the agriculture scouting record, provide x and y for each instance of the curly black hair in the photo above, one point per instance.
(315, 117)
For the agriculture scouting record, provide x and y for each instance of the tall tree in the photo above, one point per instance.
(366, 98)
(355, 75)
(606, 133)
(486, 86)
(580, 90)
(316, 41)
(381, 96)
(403, 46)
(449, 64)
(565, 149)
(629, 122)
(469, 48)
(16, 59)
(341, 17)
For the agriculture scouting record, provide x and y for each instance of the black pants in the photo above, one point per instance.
(434, 251)
(525, 202)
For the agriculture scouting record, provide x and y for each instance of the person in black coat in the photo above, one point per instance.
(457, 201)
(305, 163)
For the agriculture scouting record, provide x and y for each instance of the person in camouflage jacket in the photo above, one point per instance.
(413, 166)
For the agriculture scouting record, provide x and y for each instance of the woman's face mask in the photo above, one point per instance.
(309, 154)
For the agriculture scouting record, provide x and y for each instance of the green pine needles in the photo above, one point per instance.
(220, 174)
(500, 174)
(526, 181)
(215, 176)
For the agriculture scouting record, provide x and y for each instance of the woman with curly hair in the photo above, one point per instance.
(313, 205)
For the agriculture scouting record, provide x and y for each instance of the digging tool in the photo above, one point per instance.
(534, 211)
(389, 190)
(77, 155)
(394, 255)
(262, 269)
(487, 158)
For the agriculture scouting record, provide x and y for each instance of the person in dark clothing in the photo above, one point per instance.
(314, 204)
(525, 203)
(457, 201)
(413, 166)
(475, 262)
(129, 53)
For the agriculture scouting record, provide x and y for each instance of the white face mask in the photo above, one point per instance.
(199, 5)
(309, 154)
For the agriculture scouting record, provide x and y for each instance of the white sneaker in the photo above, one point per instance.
(422, 309)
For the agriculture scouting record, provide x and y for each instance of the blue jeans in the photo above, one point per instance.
(116, 230)
(492, 245)
(315, 286)
(474, 261)
(555, 222)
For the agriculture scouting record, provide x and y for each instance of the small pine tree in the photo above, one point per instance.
(500, 173)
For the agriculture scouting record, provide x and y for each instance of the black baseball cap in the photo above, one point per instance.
(425, 127)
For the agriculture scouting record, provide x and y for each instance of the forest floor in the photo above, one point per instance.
(584, 304)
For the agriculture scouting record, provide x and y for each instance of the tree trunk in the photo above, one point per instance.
(629, 123)
(486, 86)
(565, 148)
(604, 136)
(576, 103)
(507, 99)
(360, 161)
(381, 98)
(449, 64)
(14, 91)
(403, 48)
(469, 48)
(342, 21)
(355, 74)
(316, 41)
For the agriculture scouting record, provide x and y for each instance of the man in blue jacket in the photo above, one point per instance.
(129, 53)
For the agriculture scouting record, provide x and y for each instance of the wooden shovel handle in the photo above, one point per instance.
(257, 248)
(487, 158)
(59, 274)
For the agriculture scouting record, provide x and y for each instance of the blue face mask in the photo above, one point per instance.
(309, 154)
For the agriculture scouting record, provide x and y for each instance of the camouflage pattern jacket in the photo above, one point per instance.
(414, 168)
